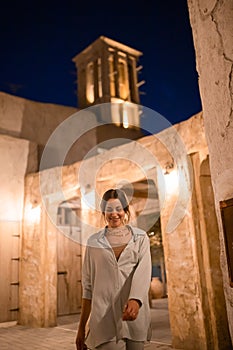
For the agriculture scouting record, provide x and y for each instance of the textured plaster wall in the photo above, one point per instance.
(17, 157)
(34, 121)
(41, 119)
(38, 269)
(207, 248)
(212, 27)
(11, 114)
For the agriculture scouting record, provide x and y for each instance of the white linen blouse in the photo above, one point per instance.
(109, 283)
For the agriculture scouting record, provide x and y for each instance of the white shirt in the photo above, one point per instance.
(110, 283)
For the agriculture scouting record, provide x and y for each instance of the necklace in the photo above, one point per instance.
(118, 232)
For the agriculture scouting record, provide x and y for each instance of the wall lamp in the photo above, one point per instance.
(169, 166)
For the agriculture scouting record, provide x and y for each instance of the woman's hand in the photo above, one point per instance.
(85, 312)
(131, 310)
(80, 339)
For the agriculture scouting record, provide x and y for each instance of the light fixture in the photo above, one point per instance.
(168, 168)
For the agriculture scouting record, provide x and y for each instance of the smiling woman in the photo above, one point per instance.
(116, 279)
(115, 207)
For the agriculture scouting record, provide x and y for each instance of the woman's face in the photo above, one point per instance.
(114, 213)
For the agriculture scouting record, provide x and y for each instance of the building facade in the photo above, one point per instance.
(49, 211)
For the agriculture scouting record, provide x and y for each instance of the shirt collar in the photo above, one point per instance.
(136, 233)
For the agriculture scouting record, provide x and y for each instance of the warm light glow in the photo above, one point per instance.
(112, 74)
(10, 205)
(115, 111)
(32, 214)
(123, 81)
(9, 213)
(171, 182)
(125, 119)
(100, 90)
(90, 82)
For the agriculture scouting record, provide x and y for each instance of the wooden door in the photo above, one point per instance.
(69, 266)
(9, 270)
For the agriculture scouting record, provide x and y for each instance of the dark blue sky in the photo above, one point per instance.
(39, 39)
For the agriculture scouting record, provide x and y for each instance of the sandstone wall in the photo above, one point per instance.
(36, 121)
(212, 27)
(17, 157)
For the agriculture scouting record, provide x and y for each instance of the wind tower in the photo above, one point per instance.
(107, 72)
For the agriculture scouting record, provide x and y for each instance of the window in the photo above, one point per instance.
(90, 82)
(100, 91)
(112, 74)
(69, 217)
(123, 79)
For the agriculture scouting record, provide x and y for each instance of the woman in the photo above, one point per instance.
(116, 281)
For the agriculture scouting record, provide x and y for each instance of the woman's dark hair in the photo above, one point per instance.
(115, 193)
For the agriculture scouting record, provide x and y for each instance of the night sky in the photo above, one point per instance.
(39, 39)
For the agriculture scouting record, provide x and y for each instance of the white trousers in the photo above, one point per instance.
(126, 344)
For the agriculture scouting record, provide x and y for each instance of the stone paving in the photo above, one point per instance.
(62, 337)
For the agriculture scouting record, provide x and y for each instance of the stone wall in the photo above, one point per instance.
(38, 269)
(212, 27)
(17, 157)
(33, 121)
(36, 121)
